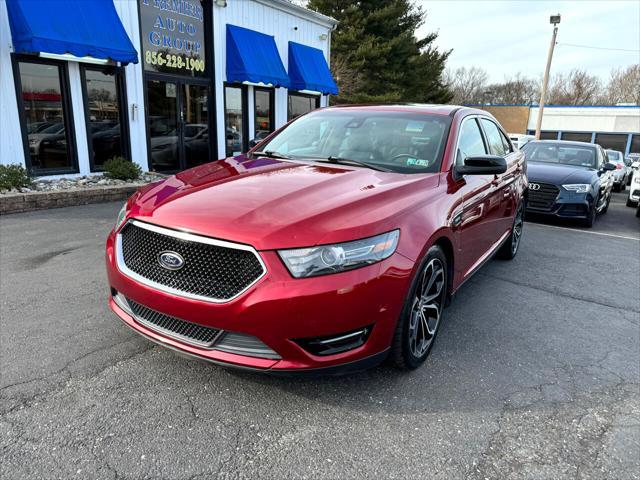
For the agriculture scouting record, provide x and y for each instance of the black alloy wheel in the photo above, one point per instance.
(509, 248)
(422, 312)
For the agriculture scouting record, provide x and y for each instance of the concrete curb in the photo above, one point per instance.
(26, 202)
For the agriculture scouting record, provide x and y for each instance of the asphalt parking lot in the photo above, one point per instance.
(535, 375)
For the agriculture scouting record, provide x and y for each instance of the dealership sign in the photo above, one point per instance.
(173, 37)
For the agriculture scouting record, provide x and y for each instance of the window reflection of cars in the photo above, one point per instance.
(164, 148)
(35, 139)
(233, 141)
(106, 144)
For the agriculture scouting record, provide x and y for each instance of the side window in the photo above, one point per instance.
(494, 138)
(600, 158)
(506, 143)
(470, 142)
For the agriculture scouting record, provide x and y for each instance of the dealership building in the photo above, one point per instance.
(167, 84)
(613, 127)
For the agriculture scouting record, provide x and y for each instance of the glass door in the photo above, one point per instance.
(195, 115)
(163, 125)
(178, 125)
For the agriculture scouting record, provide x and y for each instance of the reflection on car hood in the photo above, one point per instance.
(280, 204)
(558, 174)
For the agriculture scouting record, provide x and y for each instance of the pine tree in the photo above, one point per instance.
(376, 56)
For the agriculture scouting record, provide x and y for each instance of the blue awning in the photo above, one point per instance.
(79, 27)
(253, 57)
(308, 70)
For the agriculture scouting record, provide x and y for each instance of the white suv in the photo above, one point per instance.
(634, 189)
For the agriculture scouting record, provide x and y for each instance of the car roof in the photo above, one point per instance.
(566, 142)
(426, 108)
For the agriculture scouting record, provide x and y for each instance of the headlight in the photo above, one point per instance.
(122, 214)
(577, 187)
(309, 262)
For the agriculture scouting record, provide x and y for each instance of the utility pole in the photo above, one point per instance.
(554, 20)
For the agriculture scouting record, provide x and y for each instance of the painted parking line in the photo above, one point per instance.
(624, 237)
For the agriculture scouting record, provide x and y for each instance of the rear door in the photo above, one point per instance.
(503, 192)
(471, 223)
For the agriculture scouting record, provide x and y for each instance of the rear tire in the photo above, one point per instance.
(421, 315)
(509, 248)
(623, 185)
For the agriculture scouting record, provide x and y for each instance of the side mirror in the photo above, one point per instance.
(253, 142)
(483, 165)
(609, 167)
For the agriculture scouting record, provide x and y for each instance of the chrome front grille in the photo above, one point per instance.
(174, 327)
(543, 198)
(213, 270)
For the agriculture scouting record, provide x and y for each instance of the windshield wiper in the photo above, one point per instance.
(270, 154)
(349, 161)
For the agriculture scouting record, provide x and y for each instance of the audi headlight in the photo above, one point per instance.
(309, 262)
(122, 215)
(577, 187)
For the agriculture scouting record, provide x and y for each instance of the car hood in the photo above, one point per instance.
(556, 174)
(274, 204)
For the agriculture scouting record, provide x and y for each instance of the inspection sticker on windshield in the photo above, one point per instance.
(417, 161)
(414, 127)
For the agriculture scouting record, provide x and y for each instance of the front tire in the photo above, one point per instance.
(422, 312)
(591, 218)
(630, 203)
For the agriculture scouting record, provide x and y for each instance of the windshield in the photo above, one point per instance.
(398, 141)
(561, 154)
(613, 156)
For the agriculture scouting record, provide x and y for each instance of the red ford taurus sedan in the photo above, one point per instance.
(335, 243)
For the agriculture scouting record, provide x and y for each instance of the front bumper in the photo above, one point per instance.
(566, 205)
(278, 309)
(634, 192)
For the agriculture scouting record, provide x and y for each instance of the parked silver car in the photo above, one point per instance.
(622, 171)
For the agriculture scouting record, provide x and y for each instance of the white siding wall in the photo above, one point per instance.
(283, 26)
(11, 148)
(128, 12)
(586, 119)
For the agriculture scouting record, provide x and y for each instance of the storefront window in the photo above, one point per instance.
(263, 120)
(299, 104)
(635, 144)
(548, 135)
(44, 102)
(612, 141)
(577, 136)
(234, 116)
(104, 113)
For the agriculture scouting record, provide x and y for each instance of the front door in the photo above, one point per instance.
(178, 125)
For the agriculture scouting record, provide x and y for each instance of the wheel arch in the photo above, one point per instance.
(447, 247)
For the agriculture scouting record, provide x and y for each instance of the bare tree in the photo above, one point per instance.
(517, 90)
(467, 84)
(575, 88)
(623, 86)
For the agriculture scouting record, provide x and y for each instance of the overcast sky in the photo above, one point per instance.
(506, 37)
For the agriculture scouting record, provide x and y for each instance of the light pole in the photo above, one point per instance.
(554, 20)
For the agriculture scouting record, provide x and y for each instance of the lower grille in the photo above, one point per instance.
(544, 197)
(573, 210)
(194, 334)
(174, 327)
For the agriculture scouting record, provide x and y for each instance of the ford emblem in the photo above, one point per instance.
(170, 260)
